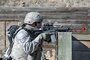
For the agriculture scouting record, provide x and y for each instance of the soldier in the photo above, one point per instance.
(26, 46)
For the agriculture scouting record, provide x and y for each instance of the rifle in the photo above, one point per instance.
(51, 28)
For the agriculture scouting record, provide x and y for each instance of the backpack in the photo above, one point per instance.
(13, 30)
(11, 34)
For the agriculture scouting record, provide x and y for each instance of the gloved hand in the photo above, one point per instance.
(46, 36)
(7, 58)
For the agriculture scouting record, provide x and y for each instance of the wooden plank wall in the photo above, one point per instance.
(2, 37)
(75, 18)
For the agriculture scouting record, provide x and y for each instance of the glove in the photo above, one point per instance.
(46, 36)
(7, 58)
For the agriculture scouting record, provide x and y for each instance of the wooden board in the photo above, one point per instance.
(64, 46)
(82, 36)
(80, 49)
(12, 13)
(2, 37)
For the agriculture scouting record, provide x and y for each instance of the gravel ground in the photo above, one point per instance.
(46, 3)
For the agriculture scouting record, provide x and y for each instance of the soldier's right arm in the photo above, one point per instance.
(25, 40)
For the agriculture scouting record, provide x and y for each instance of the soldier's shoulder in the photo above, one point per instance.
(22, 33)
